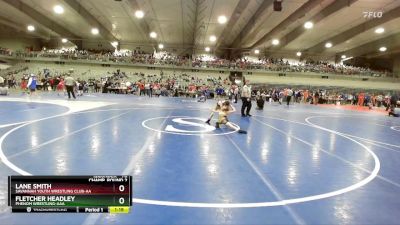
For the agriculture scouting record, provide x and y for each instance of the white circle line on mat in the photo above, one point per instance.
(352, 187)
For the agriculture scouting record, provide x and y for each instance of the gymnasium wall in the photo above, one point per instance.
(396, 64)
(380, 64)
(98, 45)
(20, 44)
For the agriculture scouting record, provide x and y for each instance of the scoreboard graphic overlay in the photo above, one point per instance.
(73, 194)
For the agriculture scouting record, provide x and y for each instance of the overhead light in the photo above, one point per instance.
(308, 25)
(347, 58)
(207, 49)
(139, 14)
(222, 19)
(275, 42)
(382, 49)
(153, 34)
(31, 28)
(95, 31)
(343, 56)
(298, 54)
(257, 51)
(160, 46)
(328, 45)
(213, 38)
(58, 9)
(114, 26)
(114, 44)
(64, 40)
(379, 30)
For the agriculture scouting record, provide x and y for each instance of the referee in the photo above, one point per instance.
(69, 84)
(289, 94)
(246, 99)
(1, 81)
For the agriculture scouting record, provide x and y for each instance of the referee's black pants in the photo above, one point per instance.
(246, 105)
(288, 98)
(70, 89)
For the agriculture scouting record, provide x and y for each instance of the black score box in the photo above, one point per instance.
(61, 193)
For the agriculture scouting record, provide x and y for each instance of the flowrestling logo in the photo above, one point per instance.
(372, 14)
(183, 125)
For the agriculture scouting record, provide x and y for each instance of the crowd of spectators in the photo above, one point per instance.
(181, 85)
(5, 51)
(323, 96)
(119, 82)
(202, 61)
(9, 75)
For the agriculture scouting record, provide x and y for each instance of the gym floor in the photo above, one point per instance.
(301, 164)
